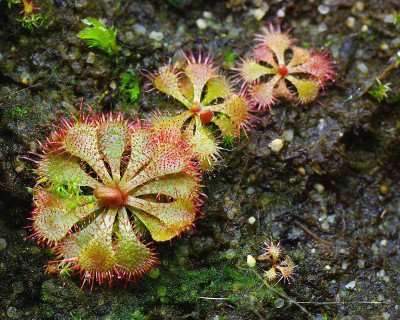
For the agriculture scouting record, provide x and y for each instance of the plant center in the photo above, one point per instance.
(283, 71)
(110, 196)
(205, 115)
(195, 108)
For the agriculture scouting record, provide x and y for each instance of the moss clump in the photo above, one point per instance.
(198, 288)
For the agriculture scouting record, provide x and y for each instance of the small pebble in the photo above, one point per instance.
(364, 28)
(325, 225)
(383, 188)
(383, 243)
(259, 13)
(345, 264)
(362, 67)
(384, 46)
(230, 213)
(351, 285)
(207, 15)
(331, 218)
(91, 58)
(251, 220)
(288, 135)
(381, 273)
(113, 85)
(80, 4)
(375, 248)
(250, 190)
(251, 261)
(386, 316)
(158, 36)
(280, 13)
(25, 78)
(3, 244)
(279, 303)
(319, 187)
(361, 264)
(301, 171)
(322, 217)
(13, 313)
(350, 22)
(201, 23)
(328, 267)
(321, 124)
(359, 6)
(129, 36)
(322, 28)
(276, 145)
(74, 55)
(322, 9)
(389, 19)
(19, 168)
(139, 29)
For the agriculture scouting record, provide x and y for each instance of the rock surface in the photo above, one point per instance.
(331, 195)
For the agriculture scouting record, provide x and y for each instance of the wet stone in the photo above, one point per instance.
(91, 58)
(13, 313)
(18, 287)
(3, 244)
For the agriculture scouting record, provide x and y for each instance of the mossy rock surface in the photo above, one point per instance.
(331, 196)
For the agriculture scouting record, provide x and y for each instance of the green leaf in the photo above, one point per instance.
(98, 36)
(130, 86)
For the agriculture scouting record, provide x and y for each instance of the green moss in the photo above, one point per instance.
(199, 287)
(137, 315)
(228, 142)
(10, 3)
(396, 18)
(17, 112)
(130, 86)
(33, 21)
(379, 90)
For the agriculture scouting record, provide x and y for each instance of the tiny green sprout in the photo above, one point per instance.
(137, 315)
(379, 91)
(76, 316)
(229, 59)
(98, 36)
(154, 273)
(130, 86)
(17, 112)
(67, 189)
(228, 141)
(10, 3)
(396, 18)
(230, 56)
(65, 270)
(34, 21)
